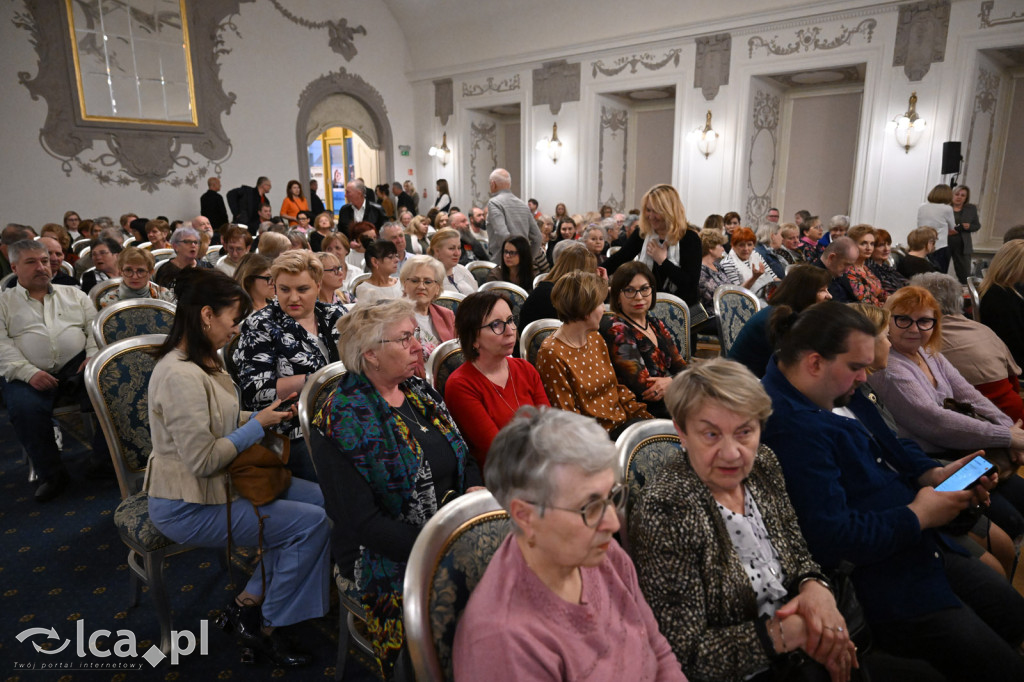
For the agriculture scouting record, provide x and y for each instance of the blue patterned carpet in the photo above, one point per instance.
(62, 564)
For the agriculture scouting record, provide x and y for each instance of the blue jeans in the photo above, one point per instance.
(296, 544)
(31, 415)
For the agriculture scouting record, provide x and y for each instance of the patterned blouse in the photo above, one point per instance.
(865, 286)
(123, 293)
(811, 250)
(636, 358)
(710, 280)
(583, 380)
(273, 345)
(889, 276)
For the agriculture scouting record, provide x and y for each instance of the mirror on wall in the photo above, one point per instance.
(132, 61)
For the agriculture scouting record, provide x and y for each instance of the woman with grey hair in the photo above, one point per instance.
(421, 279)
(388, 455)
(769, 238)
(559, 599)
(717, 545)
(185, 242)
(973, 348)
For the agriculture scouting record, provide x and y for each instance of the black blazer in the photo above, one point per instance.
(404, 201)
(316, 206)
(211, 207)
(684, 276)
(373, 214)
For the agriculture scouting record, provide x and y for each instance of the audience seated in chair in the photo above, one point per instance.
(397, 457)
(920, 595)
(559, 599)
(421, 281)
(136, 269)
(570, 256)
(1002, 297)
(642, 350)
(574, 364)
(805, 285)
(490, 387)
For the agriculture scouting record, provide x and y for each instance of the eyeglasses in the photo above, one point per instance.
(265, 278)
(405, 339)
(905, 322)
(498, 326)
(416, 281)
(189, 242)
(131, 272)
(333, 271)
(592, 512)
(510, 253)
(631, 292)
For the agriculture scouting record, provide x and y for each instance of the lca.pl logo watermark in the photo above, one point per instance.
(183, 643)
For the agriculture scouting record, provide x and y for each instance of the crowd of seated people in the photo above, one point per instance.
(734, 543)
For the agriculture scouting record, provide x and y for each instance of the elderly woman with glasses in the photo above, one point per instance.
(282, 344)
(574, 364)
(185, 242)
(421, 281)
(136, 266)
(559, 599)
(487, 390)
(717, 545)
(642, 350)
(389, 456)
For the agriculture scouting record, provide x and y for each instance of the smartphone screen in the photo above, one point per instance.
(966, 476)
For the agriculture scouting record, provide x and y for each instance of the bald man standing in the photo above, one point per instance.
(509, 216)
(211, 204)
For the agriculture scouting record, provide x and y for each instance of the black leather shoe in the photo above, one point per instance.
(52, 487)
(245, 621)
(278, 649)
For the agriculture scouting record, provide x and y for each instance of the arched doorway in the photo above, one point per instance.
(343, 125)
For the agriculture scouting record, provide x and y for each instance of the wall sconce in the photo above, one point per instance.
(552, 145)
(908, 127)
(442, 153)
(706, 137)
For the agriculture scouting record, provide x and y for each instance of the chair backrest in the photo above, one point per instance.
(213, 253)
(733, 307)
(85, 250)
(539, 278)
(160, 264)
(145, 245)
(162, 254)
(129, 241)
(117, 381)
(480, 269)
(80, 244)
(101, 288)
(446, 564)
(226, 354)
(134, 317)
(68, 268)
(356, 281)
(450, 300)
(644, 448)
(445, 359)
(972, 285)
(533, 334)
(612, 250)
(315, 391)
(675, 315)
(7, 278)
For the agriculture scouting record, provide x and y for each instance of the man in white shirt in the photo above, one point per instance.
(45, 342)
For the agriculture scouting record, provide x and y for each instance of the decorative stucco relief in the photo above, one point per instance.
(986, 94)
(491, 85)
(483, 144)
(125, 153)
(985, 15)
(761, 159)
(613, 147)
(808, 39)
(341, 38)
(921, 37)
(444, 99)
(714, 53)
(555, 83)
(645, 59)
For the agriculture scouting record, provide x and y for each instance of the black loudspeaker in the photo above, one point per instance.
(951, 157)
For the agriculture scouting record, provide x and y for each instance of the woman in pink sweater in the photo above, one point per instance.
(559, 599)
(485, 392)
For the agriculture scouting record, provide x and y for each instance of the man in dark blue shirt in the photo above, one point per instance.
(862, 496)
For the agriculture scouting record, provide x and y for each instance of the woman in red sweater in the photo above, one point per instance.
(489, 388)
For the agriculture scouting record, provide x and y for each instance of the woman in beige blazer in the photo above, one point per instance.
(197, 431)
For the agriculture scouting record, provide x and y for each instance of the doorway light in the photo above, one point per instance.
(442, 153)
(908, 126)
(706, 138)
(551, 145)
